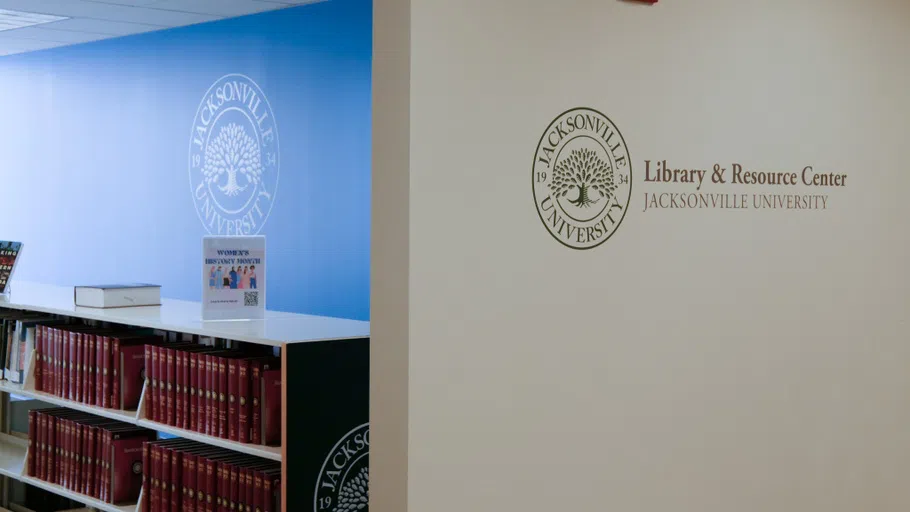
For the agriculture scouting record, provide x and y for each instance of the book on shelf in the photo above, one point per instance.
(9, 257)
(185, 475)
(117, 295)
(87, 454)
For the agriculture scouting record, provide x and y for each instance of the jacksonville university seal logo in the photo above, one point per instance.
(582, 178)
(344, 481)
(234, 157)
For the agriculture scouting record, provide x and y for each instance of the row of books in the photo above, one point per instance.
(211, 387)
(186, 476)
(17, 340)
(94, 456)
(100, 366)
(229, 394)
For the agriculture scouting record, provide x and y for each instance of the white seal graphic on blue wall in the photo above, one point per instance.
(234, 157)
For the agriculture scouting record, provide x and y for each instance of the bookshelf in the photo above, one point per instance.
(325, 387)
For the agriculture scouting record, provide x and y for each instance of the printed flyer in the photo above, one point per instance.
(233, 277)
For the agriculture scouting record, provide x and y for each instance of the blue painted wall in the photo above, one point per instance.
(95, 154)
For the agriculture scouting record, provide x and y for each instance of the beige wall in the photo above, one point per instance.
(699, 360)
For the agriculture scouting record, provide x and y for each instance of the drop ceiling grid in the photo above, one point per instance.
(93, 20)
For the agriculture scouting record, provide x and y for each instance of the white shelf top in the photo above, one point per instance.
(275, 329)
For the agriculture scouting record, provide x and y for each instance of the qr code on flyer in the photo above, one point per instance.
(250, 298)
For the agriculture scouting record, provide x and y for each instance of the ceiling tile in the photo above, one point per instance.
(114, 28)
(59, 36)
(102, 11)
(217, 7)
(10, 45)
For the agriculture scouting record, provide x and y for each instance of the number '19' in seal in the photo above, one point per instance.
(582, 178)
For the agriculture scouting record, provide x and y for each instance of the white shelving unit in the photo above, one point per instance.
(276, 329)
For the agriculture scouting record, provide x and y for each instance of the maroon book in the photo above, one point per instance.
(210, 392)
(234, 498)
(176, 478)
(257, 366)
(191, 486)
(150, 381)
(201, 485)
(58, 362)
(222, 398)
(246, 488)
(32, 436)
(178, 391)
(266, 495)
(64, 364)
(106, 372)
(232, 413)
(271, 407)
(115, 372)
(169, 388)
(185, 390)
(132, 376)
(193, 384)
(88, 361)
(165, 497)
(81, 339)
(157, 454)
(98, 345)
(162, 386)
(146, 505)
(243, 400)
(42, 423)
(184, 487)
(92, 472)
(221, 489)
(210, 485)
(39, 359)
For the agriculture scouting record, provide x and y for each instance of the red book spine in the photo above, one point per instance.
(233, 418)
(243, 401)
(146, 505)
(78, 459)
(39, 445)
(98, 370)
(80, 342)
(115, 373)
(185, 390)
(58, 364)
(210, 486)
(150, 382)
(178, 394)
(184, 488)
(201, 387)
(193, 383)
(155, 478)
(191, 487)
(209, 396)
(267, 494)
(86, 472)
(273, 494)
(257, 491)
(72, 349)
(99, 462)
(234, 490)
(162, 386)
(87, 362)
(222, 398)
(248, 486)
(68, 468)
(52, 450)
(65, 363)
(171, 392)
(39, 356)
(256, 392)
(220, 489)
(106, 466)
(201, 490)
(176, 478)
(271, 407)
(165, 480)
(106, 372)
(92, 452)
(32, 445)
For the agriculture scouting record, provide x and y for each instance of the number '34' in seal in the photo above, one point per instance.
(582, 178)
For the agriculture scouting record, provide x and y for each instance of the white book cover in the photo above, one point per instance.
(233, 277)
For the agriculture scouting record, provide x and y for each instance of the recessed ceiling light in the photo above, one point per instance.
(10, 20)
